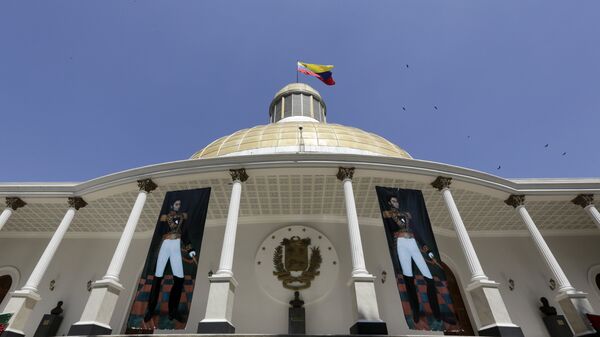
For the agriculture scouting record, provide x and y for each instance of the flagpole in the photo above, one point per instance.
(297, 61)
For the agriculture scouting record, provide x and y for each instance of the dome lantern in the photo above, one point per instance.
(297, 102)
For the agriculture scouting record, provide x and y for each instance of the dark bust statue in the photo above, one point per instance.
(58, 310)
(546, 309)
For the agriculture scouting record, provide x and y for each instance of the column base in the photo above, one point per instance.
(216, 327)
(9, 333)
(501, 331)
(575, 305)
(219, 307)
(490, 307)
(95, 319)
(369, 328)
(20, 305)
(88, 330)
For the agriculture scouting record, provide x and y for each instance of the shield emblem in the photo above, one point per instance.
(296, 253)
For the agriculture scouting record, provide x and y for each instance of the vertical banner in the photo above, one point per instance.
(418, 269)
(165, 289)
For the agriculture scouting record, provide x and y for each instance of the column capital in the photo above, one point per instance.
(345, 173)
(147, 185)
(583, 200)
(441, 182)
(239, 174)
(77, 202)
(515, 200)
(15, 203)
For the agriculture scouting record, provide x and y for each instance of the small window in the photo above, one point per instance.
(317, 110)
(305, 105)
(287, 109)
(296, 105)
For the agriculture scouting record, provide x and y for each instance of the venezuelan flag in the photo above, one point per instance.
(319, 71)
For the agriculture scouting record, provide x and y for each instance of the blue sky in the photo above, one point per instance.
(89, 88)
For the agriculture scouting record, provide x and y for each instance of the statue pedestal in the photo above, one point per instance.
(557, 326)
(296, 321)
(48, 326)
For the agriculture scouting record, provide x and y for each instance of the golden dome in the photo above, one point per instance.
(286, 137)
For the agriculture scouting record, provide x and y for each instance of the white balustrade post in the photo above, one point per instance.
(101, 304)
(12, 204)
(219, 307)
(366, 310)
(491, 311)
(574, 303)
(587, 202)
(23, 301)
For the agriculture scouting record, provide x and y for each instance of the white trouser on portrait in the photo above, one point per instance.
(407, 251)
(170, 250)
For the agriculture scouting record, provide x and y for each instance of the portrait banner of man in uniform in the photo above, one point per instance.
(419, 273)
(165, 288)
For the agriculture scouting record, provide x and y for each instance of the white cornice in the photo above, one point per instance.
(372, 165)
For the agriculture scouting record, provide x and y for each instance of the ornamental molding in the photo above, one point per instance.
(239, 174)
(515, 200)
(296, 271)
(583, 200)
(76, 202)
(345, 173)
(297, 258)
(147, 185)
(15, 203)
(441, 182)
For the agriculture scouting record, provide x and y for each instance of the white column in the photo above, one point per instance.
(358, 259)
(228, 248)
(489, 306)
(104, 295)
(114, 269)
(574, 303)
(366, 310)
(587, 202)
(23, 301)
(463, 237)
(40, 268)
(559, 275)
(4, 216)
(219, 306)
(593, 212)
(12, 204)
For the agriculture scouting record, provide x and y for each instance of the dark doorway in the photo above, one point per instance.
(459, 305)
(5, 283)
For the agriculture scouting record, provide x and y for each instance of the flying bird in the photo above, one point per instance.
(564, 153)
(407, 66)
(546, 145)
(468, 137)
(404, 108)
(435, 107)
(498, 167)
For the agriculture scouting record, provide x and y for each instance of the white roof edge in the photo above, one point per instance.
(329, 160)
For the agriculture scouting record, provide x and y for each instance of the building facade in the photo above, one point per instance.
(505, 242)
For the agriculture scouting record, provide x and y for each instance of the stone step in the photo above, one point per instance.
(261, 335)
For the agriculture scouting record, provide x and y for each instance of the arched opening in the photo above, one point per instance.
(5, 284)
(459, 304)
